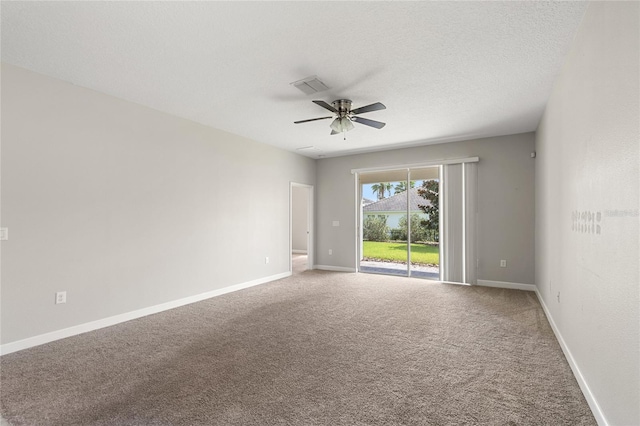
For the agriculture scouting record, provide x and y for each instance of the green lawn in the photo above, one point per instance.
(397, 252)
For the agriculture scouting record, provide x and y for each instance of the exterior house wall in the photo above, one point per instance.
(395, 206)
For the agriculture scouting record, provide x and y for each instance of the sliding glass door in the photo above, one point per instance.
(419, 221)
(399, 222)
(383, 242)
(424, 214)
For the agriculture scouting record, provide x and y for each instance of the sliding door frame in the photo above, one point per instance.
(407, 167)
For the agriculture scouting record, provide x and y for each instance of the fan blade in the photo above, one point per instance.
(333, 132)
(311, 119)
(325, 105)
(367, 122)
(373, 107)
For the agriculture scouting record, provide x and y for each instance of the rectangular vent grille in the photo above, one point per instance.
(309, 149)
(310, 85)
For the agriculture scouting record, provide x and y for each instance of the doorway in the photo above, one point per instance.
(399, 222)
(300, 227)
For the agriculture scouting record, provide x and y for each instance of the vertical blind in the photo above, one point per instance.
(459, 218)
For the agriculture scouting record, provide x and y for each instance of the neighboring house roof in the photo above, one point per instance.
(366, 201)
(398, 203)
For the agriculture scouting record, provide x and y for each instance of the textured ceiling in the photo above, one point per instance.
(445, 70)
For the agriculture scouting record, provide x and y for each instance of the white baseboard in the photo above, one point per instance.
(334, 268)
(41, 339)
(299, 251)
(584, 387)
(503, 284)
(453, 283)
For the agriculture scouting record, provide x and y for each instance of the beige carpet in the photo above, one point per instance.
(318, 348)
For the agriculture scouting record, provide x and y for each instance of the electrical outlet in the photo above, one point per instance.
(330, 252)
(503, 263)
(266, 260)
(4, 234)
(61, 297)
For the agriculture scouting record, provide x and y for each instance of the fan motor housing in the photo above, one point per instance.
(343, 106)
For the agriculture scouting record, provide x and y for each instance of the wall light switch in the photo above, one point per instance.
(4, 234)
(503, 263)
(336, 223)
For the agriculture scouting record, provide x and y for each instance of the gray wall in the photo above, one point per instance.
(505, 210)
(299, 217)
(125, 207)
(587, 204)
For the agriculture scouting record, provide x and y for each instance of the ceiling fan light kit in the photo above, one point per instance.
(345, 116)
(341, 124)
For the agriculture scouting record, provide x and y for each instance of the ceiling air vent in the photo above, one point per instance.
(309, 149)
(310, 85)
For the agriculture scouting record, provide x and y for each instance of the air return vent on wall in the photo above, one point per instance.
(310, 85)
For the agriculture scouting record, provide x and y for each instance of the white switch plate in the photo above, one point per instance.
(61, 297)
(266, 260)
(503, 263)
(330, 252)
(336, 223)
(4, 234)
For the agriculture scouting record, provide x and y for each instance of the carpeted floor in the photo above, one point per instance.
(318, 348)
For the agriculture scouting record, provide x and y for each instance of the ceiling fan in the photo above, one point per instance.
(344, 115)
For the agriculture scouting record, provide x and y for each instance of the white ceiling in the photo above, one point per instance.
(445, 70)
